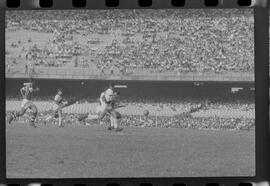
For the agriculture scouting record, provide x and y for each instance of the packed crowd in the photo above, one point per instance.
(186, 121)
(189, 122)
(184, 118)
(193, 40)
(56, 52)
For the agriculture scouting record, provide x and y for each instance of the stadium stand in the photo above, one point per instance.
(139, 41)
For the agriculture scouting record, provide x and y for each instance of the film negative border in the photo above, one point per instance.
(224, 183)
(262, 82)
(45, 4)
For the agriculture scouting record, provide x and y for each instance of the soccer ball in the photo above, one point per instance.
(146, 112)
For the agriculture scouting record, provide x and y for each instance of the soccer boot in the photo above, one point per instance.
(118, 129)
(32, 124)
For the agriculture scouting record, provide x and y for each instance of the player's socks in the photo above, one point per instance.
(110, 128)
(117, 128)
(32, 124)
(60, 124)
(32, 121)
(115, 123)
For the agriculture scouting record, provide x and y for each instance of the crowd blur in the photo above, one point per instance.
(186, 121)
(189, 122)
(181, 119)
(194, 40)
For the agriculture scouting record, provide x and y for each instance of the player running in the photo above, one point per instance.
(58, 104)
(26, 104)
(107, 104)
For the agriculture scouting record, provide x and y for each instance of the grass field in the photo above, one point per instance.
(92, 151)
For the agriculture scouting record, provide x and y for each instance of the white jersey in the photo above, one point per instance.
(57, 102)
(106, 96)
(58, 99)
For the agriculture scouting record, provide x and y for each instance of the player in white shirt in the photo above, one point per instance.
(107, 105)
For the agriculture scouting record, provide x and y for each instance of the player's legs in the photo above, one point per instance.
(54, 114)
(51, 117)
(111, 123)
(34, 113)
(24, 106)
(21, 112)
(101, 115)
(33, 116)
(60, 114)
(115, 118)
(103, 110)
(24, 103)
(16, 114)
(107, 109)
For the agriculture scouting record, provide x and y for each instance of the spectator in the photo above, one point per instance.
(8, 68)
(111, 70)
(161, 41)
(26, 69)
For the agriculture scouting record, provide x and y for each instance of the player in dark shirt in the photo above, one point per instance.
(26, 91)
(58, 105)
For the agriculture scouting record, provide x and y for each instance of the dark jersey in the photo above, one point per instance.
(27, 92)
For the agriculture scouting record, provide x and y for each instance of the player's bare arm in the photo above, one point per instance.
(22, 90)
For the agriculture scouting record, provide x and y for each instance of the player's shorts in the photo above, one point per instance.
(56, 107)
(115, 114)
(103, 107)
(26, 104)
(56, 110)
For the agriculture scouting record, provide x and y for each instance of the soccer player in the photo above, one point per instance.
(58, 105)
(26, 104)
(107, 105)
